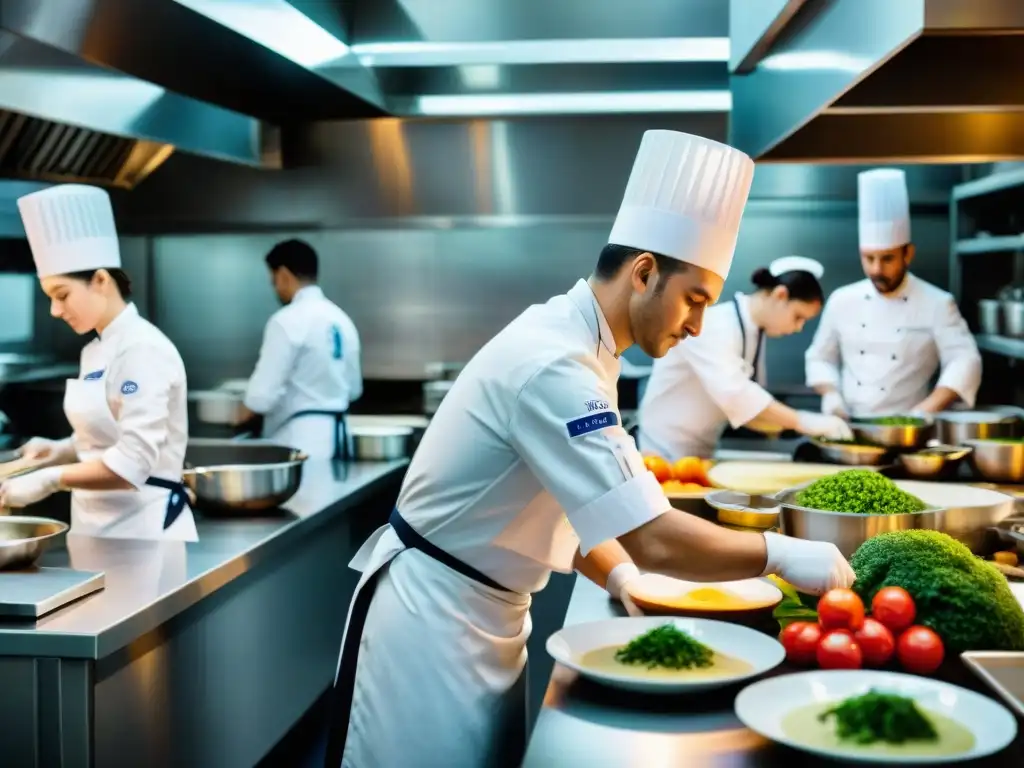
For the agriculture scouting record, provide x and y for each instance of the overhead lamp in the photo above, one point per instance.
(572, 103)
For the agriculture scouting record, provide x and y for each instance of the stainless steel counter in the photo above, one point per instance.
(585, 724)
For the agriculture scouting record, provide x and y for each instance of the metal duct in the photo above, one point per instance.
(866, 81)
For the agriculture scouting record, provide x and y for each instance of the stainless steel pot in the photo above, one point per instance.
(433, 393)
(1013, 319)
(217, 406)
(231, 478)
(989, 316)
(895, 436)
(934, 462)
(24, 539)
(851, 453)
(997, 461)
(957, 427)
(381, 443)
(962, 511)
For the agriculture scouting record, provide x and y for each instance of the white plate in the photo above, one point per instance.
(570, 644)
(763, 705)
(654, 589)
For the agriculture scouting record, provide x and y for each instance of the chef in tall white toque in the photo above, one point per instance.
(882, 340)
(526, 469)
(719, 377)
(127, 409)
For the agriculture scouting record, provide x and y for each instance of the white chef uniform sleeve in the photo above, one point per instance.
(723, 374)
(958, 353)
(268, 380)
(354, 367)
(822, 357)
(143, 377)
(567, 432)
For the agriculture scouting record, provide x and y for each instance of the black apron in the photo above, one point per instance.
(175, 502)
(344, 685)
(340, 429)
(743, 339)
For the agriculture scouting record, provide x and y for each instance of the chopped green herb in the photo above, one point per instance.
(666, 646)
(859, 492)
(874, 717)
(896, 421)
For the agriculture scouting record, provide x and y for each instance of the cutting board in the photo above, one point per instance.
(766, 477)
(18, 467)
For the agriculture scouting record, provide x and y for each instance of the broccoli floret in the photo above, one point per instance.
(859, 491)
(963, 598)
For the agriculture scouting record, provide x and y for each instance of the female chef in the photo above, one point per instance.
(719, 376)
(127, 409)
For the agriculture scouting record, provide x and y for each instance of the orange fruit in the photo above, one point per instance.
(662, 469)
(691, 469)
(674, 486)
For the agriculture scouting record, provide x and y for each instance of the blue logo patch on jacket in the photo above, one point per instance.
(93, 376)
(592, 423)
(129, 388)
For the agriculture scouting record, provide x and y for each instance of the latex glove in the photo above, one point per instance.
(823, 425)
(832, 404)
(51, 451)
(813, 567)
(617, 582)
(28, 489)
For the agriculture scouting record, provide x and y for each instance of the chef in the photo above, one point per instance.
(881, 341)
(526, 469)
(308, 372)
(718, 378)
(127, 408)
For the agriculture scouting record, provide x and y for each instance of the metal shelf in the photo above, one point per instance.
(990, 244)
(1001, 345)
(989, 184)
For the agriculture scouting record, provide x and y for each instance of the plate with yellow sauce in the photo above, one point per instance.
(665, 655)
(876, 717)
(656, 593)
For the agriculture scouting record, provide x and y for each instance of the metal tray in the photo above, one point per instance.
(1003, 672)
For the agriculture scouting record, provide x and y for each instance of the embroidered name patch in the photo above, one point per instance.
(597, 405)
(592, 423)
(129, 388)
(93, 376)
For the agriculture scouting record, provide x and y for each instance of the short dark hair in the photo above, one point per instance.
(614, 257)
(297, 256)
(801, 285)
(119, 276)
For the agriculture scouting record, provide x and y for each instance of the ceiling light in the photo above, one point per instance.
(573, 103)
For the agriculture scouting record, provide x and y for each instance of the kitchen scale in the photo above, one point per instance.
(35, 592)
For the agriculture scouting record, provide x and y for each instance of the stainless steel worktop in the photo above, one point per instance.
(585, 724)
(102, 623)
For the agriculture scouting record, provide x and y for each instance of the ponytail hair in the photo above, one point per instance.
(801, 285)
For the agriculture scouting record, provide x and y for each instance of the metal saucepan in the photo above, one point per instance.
(853, 454)
(24, 539)
(935, 461)
(217, 406)
(232, 478)
(902, 436)
(962, 511)
(744, 510)
(998, 460)
(957, 427)
(380, 443)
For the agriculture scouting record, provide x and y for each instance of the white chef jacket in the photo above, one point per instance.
(526, 458)
(703, 383)
(310, 360)
(881, 350)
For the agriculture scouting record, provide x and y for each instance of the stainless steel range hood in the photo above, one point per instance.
(864, 81)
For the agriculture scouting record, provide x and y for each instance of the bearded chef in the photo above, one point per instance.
(719, 377)
(309, 371)
(526, 469)
(127, 408)
(881, 341)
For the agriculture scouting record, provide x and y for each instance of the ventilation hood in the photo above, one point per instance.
(64, 118)
(866, 81)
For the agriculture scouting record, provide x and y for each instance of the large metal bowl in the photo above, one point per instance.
(962, 511)
(934, 461)
(233, 478)
(24, 539)
(381, 443)
(893, 435)
(852, 454)
(744, 510)
(998, 461)
(957, 427)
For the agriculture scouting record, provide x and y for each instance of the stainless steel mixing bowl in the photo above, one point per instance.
(895, 435)
(232, 477)
(998, 460)
(24, 539)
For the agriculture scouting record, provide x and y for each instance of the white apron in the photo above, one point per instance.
(129, 514)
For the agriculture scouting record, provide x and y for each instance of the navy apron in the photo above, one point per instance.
(340, 429)
(175, 502)
(743, 339)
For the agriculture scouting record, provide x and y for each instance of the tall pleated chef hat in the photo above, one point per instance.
(883, 209)
(684, 199)
(796, 264)
(70, 228)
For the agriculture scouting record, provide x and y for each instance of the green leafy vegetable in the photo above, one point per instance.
(874, 717)
(795, 606)
(896, 421)
(859, 491)
(666, 646)
(962, 598)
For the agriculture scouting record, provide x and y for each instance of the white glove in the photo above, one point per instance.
(823, 425)
(28, 489)
(52, 452)
(832, 404)
(813, 567)
(617, 582)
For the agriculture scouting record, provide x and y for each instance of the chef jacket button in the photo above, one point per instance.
(894, 357)
(863, 325)
(862, 351)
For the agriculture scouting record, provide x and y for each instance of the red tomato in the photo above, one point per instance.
(838, 650)
(894, 607)
(876, 643)
(800, 639)
(841, 609)
(920, 650)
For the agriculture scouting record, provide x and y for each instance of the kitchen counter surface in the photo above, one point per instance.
(582, 723)
(98, 625)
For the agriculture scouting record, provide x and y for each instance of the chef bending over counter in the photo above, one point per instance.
(882, 340)
(719, 377)
(526, 469)
(127, 409)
